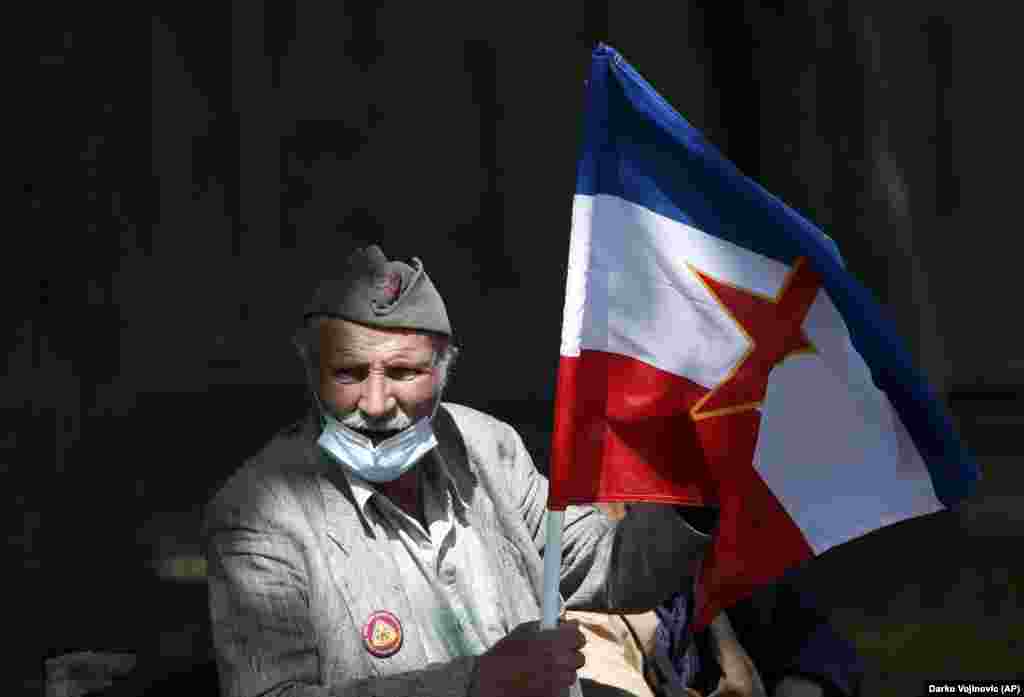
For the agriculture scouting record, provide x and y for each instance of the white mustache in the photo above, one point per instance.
(356, 420)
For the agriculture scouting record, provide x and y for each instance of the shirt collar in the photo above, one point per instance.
(362, 490)
(434, 467)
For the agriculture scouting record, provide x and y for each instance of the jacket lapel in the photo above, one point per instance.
(363, 569)
(512, 555)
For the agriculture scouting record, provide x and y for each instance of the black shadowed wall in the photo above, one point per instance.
(194, 171)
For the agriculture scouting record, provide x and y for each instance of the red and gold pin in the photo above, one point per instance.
(382, 634)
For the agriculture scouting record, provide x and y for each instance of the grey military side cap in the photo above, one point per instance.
(379, 293)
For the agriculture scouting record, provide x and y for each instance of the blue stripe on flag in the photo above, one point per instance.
(638, 148)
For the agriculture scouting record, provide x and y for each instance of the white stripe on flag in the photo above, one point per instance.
(629, 290)
(831, 448)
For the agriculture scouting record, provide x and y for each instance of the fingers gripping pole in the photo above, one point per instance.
(552, 569)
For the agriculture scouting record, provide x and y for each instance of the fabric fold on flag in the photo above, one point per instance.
(715, 351)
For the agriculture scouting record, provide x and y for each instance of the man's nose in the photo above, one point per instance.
(377, 401)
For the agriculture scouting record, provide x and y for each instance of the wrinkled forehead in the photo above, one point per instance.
(342, 338)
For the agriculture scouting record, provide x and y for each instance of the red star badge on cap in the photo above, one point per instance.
(390, 285)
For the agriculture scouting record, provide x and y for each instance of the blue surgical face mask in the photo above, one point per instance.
(389, 459)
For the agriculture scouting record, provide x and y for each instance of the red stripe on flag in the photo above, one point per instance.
(624, 432)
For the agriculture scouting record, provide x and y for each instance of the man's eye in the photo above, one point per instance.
(403, 373)
(349, 375)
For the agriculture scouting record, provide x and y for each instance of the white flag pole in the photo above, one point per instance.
(552, 570)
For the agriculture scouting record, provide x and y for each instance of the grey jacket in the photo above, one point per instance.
(295, 570)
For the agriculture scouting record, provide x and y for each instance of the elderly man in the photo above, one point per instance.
(390, 544)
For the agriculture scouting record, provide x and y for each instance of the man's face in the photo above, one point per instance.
(376, 381)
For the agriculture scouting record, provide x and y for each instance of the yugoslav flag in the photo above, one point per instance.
(716, 352)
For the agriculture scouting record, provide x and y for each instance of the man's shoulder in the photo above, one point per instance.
(476, 426)
(469, 417)
(272, 472)
(491, 443)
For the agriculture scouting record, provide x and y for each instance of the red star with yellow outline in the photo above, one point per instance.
(774, 327)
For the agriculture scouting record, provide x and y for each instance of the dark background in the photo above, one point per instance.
(192, 171)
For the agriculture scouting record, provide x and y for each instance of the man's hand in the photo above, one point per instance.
(739, 676)
(738, 685)
(531, 662)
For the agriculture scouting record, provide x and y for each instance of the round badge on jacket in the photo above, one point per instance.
(382, 634)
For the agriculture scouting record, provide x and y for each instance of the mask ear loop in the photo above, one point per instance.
(437, 398)
(320, 411)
